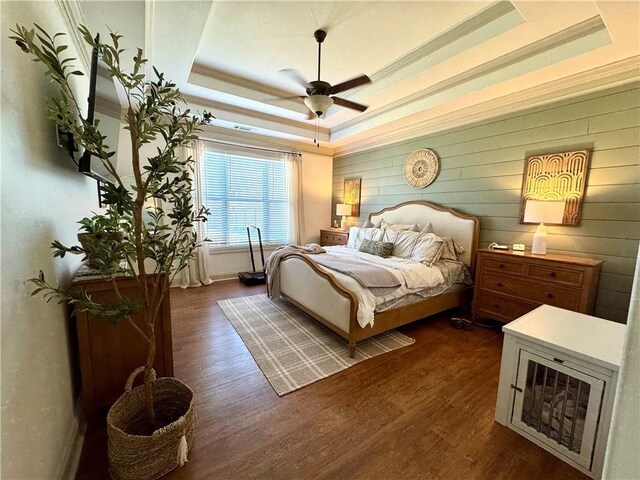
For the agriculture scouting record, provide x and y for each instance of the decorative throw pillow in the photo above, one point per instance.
(416, 246)
(451, 249)
(357, 234)
(381, 249)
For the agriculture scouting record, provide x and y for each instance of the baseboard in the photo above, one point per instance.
(219, 277)
(214, 278)
(70, 457)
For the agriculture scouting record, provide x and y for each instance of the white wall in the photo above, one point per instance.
(42, 198)
(622, 460)
(317, 174)
(317, 178)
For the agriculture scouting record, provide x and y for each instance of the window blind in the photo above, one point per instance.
(245, 189)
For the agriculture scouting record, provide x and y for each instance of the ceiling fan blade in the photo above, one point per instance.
(353, 83)
(349, 104)
(281, 99)
(296, 76)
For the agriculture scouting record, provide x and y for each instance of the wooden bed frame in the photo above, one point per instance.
(321, 295)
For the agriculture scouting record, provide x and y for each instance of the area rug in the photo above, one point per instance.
(291, 348)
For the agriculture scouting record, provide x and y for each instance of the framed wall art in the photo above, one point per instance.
(351, 194)
(557, 176)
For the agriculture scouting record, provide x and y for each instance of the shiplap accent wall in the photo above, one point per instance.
(481, 167)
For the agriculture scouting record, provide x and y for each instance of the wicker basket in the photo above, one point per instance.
(152, 456)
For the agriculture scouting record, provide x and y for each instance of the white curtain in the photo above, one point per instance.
(197, 273)
(294, 165)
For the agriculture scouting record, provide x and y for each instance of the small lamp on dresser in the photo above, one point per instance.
(542, 211)
(343, 210)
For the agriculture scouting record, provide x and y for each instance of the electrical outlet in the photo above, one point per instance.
(519, 247)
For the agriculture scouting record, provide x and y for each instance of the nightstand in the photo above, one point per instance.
(509, 284)
(333, 236)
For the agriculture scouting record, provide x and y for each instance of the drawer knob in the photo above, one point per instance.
(549, 295)
(553, 274)
(501, 265)
(499, 284)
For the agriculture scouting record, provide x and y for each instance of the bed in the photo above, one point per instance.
(320, 293)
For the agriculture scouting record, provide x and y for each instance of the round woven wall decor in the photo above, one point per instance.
(421, 168)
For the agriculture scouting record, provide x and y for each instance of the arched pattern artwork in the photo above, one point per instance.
(557, 176)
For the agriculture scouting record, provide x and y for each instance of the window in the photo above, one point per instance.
(241, 189)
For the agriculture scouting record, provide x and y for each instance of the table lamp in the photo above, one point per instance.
(542, 211)
(343, 209)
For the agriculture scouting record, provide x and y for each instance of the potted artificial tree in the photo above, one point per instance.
(150, 427)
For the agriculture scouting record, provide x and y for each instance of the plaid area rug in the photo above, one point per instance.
(291, 348)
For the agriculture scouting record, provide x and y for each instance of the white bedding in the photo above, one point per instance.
(414, 277)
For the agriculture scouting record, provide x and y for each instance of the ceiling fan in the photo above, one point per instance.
(320, 94)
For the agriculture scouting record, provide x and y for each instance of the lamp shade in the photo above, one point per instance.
(343, 209)
(318, 104)
(544, 211)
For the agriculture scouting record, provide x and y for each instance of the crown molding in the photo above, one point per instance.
(411, 105)
(488, 23)
(255, 119)
(72, 15)
(213, 132)
(483, 18)
(216, 79)
(618, 73)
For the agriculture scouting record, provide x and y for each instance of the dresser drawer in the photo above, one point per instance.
(496, 306)
(541, 293)
(551, 273)
(504, 266)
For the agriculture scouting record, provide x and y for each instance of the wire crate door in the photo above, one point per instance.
(557, 405)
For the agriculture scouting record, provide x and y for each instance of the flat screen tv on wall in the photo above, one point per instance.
(103, 105)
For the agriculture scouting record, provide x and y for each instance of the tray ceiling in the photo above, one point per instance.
(434, 65)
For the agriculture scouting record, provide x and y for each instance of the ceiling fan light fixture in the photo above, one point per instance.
(318, 104)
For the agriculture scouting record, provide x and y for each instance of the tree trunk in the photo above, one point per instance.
(148, 383)
(149, 310)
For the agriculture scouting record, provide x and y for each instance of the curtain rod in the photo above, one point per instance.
(246, 146)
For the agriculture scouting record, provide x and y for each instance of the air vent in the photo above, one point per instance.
(243, 128)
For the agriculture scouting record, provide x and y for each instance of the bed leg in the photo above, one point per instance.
(352, 349)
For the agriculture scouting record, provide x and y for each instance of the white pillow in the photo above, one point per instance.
(357, 234)
(400, 227)
(368, 224)
(416, 246)
(428, 228)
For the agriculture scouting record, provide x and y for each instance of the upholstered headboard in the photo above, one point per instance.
(446, 222)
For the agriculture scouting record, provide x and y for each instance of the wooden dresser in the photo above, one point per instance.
(510, 284)
(109, 353)
(332, 236)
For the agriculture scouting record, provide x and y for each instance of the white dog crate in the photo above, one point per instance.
(557, 383)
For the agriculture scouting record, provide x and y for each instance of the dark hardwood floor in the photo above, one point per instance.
(422, 412)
